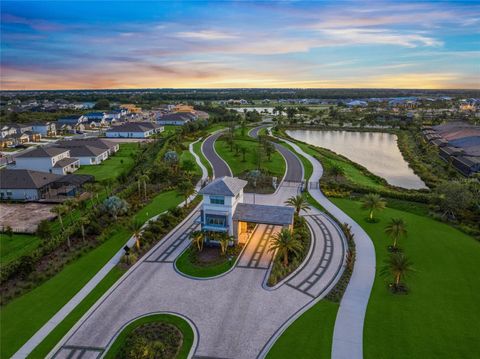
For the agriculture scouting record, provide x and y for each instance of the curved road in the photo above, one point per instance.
(220, 167)
(234, 314)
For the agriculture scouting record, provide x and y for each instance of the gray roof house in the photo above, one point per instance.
(47, 159)
(133, 130)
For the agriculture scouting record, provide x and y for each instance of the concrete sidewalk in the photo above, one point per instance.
(348, 332)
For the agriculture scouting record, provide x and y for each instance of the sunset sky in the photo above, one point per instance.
(73, 45)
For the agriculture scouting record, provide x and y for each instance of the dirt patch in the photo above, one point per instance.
(24, 217)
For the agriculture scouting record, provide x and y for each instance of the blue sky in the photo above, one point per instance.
(106, 44)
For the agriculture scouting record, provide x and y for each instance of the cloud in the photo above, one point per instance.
(205, 35)
(35, 24)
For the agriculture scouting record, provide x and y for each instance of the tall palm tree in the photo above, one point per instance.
(299, 202)
(84, 221)
(143, 179)
(187, 189)
(395, 229)
(197, 238)
(285, 243)
(224, 240)
(59, 211)
(373, 202)
(136, 228)
(397, 265)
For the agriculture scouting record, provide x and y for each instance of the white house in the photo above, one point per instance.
(25, 185)
(177, 118)
(47, 159)
(133, 130)
(45, 128)
(223, 210)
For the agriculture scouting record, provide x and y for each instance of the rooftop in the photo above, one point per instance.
(43, 152)
(133, 127)
(65, 162)
(224, 186)
(256, 213)
(25, 179)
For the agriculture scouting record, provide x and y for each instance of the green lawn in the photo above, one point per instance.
(111, 168)
(159, 204)
(276, 165)
(23, 316)
(310, 336)
(440, 317)
(185, 265)
(186, 155)
(197, 148)
(16, 246)
(180, 323)
(61, 329)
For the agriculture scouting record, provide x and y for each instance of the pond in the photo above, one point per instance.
(376, 151)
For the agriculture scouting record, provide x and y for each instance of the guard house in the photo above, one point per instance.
(223, 210)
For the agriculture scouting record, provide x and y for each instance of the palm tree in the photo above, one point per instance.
(373, 202)
(397, 265)
(224, 240)
(396, 229)
(136, 228)
(299, 202)
(285, 243)
(243, 150)
(143, 179)
(187, 189)
(59, 210)
(197, 239)
(83, 222)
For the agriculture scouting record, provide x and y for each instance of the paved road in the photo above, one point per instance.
(220, 167)
(234, 315)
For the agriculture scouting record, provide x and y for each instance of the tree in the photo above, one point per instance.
(291, 111)
(84, 221)
(102, 104)
(299, 202)
(285, 243)
(188, 166)
(243, 150)
(395, 229)
(243, 128)
(115, 206)
(59, 211)
(454, 197)
(197, 238)
(187, 189)
(44, 229)
(136, 228)
(171, 157)
(397, 265)
(269, 149)
(373, 202)
(224, 240)
(143, 179)
(337, 171)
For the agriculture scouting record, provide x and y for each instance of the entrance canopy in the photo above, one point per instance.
(256, 213)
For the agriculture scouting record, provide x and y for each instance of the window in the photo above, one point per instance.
(217, 200)
(217, 221)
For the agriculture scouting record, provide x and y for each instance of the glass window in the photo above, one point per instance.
(217, 200)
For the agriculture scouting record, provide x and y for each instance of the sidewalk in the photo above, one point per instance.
(348, 332)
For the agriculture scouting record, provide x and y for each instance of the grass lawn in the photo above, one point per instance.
(180, 323)
(186, 155)
(16, 246)
(185, 265)
(310, 336)
(112, 167)
(159, 204)
(197, 148)
(23, 316)
(276, 165)
(440, 316)
(170, 129)
(59, 332)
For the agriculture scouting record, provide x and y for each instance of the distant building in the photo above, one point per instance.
(47, 159)
(177, 118)
(134, 130)
(72, 120)
(46, 129)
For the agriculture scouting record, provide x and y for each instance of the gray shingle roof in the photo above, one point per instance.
(224, 186)
(65, 162)
(133, 127)
(25, 179)
(93, 142)
(43, 152)
(256, 213)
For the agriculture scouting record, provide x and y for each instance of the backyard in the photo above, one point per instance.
(111, 168)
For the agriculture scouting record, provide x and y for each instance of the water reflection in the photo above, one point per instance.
(374, 150)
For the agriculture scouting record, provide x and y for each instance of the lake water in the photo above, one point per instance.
(376, 151)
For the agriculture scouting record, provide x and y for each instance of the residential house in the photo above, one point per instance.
(133, 130)
(467, 165)
(177, 118)
(102, 143)
(46, 129)
(72, 121)
(47, 159)
(28, 185)
(7, 131)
